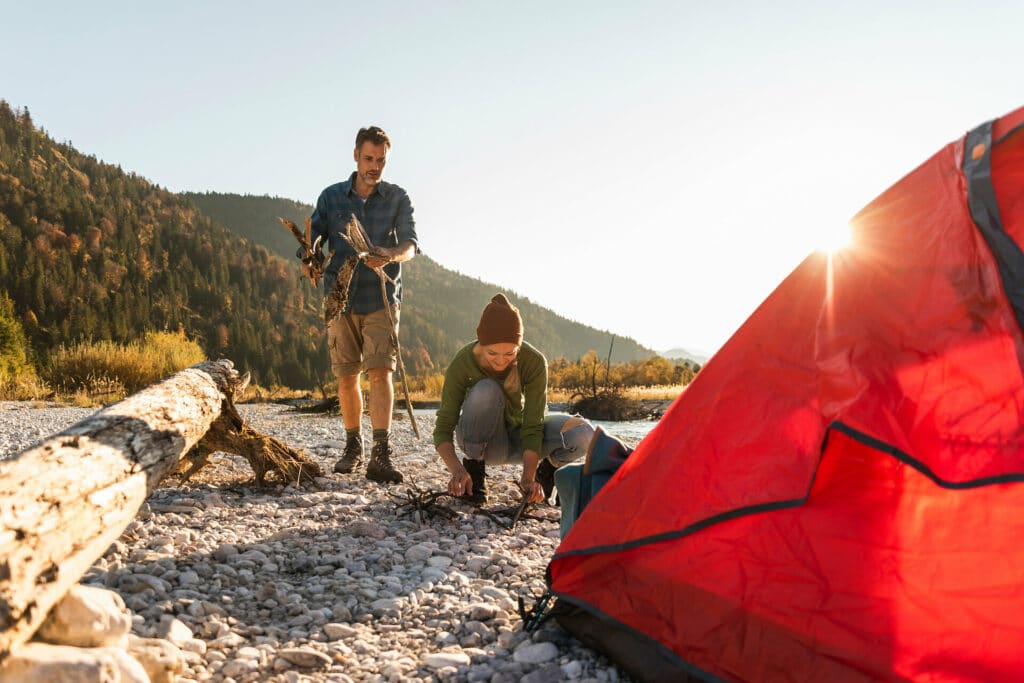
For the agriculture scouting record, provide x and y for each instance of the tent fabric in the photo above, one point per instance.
(836, 496)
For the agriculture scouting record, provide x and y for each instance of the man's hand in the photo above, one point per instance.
(460, 484)
(531, 488)
(380, 257)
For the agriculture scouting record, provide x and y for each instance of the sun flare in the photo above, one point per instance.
(833, 237)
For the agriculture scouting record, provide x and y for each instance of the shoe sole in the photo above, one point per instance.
(385, 479)
(346, 470)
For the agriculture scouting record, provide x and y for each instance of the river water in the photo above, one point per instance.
(631, 432)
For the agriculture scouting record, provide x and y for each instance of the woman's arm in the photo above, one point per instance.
(460, 482)
(528, 483)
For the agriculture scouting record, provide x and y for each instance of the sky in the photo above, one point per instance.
(649, 168)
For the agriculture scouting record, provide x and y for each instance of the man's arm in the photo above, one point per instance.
(535, 393)
(385, 255)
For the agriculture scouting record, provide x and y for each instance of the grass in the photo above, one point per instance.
(89, 374)
(97, 373)
(646, 393)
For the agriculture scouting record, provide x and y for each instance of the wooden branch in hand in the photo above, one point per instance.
(355, 235)
(312, 254)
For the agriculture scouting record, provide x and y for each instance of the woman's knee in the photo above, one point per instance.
(484, 396)
(486, 389)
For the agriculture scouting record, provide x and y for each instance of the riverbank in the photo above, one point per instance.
(338, 580)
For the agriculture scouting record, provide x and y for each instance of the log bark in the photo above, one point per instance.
(63, 502)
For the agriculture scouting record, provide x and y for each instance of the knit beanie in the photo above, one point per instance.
(500, 323)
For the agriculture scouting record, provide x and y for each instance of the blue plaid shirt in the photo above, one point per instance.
(387, 217)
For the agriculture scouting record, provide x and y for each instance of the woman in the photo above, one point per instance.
(494, 401)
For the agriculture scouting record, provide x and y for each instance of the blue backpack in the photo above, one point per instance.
(578, 483)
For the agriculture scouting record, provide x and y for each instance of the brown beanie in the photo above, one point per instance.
(500, 323)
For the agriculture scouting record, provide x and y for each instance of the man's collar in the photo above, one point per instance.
(379, 188)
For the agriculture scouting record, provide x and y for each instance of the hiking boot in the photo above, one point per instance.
(380, 468)
(546, 477)
(352, 456)
(477, 476)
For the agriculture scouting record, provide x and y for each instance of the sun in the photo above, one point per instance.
(832, 237)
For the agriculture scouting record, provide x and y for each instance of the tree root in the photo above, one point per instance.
(230, 434)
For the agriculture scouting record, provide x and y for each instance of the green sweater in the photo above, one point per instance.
(526, 394)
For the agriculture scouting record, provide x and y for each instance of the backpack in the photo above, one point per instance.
(578, 483)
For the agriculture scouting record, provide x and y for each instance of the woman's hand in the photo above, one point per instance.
(533, 489)
(460, 484)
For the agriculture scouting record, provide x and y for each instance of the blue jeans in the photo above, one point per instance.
(482, 434)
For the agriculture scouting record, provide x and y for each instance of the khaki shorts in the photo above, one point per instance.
(362, 342)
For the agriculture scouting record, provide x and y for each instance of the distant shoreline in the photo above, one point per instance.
(651, 407)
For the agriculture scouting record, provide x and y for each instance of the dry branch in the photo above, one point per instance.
(230, 434)
(418, 500)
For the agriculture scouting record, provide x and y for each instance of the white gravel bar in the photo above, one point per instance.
(333, 580)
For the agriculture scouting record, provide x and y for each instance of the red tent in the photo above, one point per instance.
(839, 495)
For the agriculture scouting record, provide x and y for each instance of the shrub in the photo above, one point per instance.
(433, 383)
(15, 365)
(115, 369)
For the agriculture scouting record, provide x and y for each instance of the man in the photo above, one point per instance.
(359, 338)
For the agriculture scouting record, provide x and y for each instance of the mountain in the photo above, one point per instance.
(441, 307)
(682, 354)
(90, 252)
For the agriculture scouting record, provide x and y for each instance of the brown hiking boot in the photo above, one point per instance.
(478, 477)
(546, 477)
(352, 456)
(380, 468)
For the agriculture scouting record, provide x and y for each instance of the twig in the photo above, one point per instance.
(509, 516)
(519, 511)
(416, 499)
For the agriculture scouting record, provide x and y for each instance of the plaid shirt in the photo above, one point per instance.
(387, 217)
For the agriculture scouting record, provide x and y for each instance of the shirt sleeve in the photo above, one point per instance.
(318, 223)
(405, 228)
(535, 398)
(453, 393)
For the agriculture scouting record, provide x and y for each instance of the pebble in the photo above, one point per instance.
(331, 581)
(535, 653)
(438, 660)
(305, 657)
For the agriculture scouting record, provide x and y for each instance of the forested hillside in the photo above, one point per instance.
(441, 307)
(89, 252)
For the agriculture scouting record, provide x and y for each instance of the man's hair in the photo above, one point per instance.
(374, 134)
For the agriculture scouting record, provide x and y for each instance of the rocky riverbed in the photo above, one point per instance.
(338, 580)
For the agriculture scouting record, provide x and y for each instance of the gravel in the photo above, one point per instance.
(337, 580)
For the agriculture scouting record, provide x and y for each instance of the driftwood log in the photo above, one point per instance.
(63, 502)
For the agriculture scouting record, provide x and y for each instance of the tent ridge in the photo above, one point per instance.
(690, 528)
(774, 506)
(984, 210)
(889, 449)
(1008, 133)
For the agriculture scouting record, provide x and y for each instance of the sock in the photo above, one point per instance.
(351, 434)
(381, 435)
